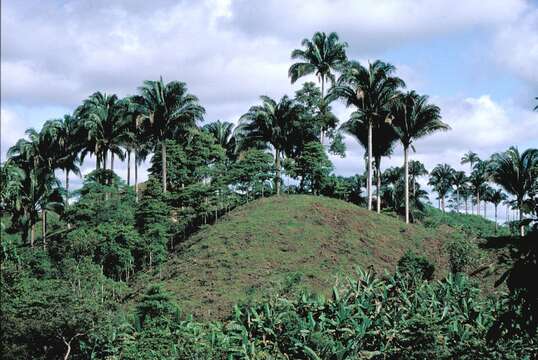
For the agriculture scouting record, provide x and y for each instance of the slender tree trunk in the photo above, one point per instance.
(128, 168)
(111, 161)
(44, 227)
(378, 165)
(406, 180)
(369, 165)
(478, 203)
(163, 160)
(466, 206)
(457, 199)
(136, 175)
(277, 171)
(321, 133)
(97, 162)
(485, 208)
(32, 236)
(66, 189)
(496, 219)
(521, 226)
(105, 159)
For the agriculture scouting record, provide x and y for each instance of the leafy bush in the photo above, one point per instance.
(416, 265)
(463, 253)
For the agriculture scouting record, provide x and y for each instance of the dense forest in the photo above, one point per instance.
(76, 263)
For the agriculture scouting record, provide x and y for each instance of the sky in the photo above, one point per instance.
(476, 59)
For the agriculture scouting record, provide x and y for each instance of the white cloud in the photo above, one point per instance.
(516, 47)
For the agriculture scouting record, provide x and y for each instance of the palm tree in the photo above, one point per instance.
(416, 169)
(414, 118)
(442, 179)
(270, 123)
(39, 191)
(321, 56)
(169, 110)
(223, 133)
(386, 137)
(496, 197)
(460, 180)
(63, 136)
(103, 125)
(470, 158)
(514, 172)
(476, 181)
(372, 90)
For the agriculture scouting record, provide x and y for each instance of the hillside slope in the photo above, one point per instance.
(282, 243)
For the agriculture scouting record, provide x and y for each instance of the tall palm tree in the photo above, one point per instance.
(470, 158)
(321, 56)
(224, 135)
(372, 91)
(460, 180)
(169, 110)
(476, 182)
(442, 180)
(496, 197)
(39, 190)
(514, 172)
(416, 170)
(270, 123)
(414, 118)
(63, 135)
(386, 137)
(102, 122)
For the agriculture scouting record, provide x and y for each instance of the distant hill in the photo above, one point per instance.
(280, 244)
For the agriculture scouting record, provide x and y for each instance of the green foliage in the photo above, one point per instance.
(312, 166)
(463, 254)
(416, 265)
(472, 225)
(251, 172)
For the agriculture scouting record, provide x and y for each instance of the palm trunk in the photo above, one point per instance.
(496, 219)
(485, 208)
(321, 133)
(457, 199)
(32, 236)
(277, 171)
(478, 203)
(97, 162)
(44, 227)
(136, 175)
(111, 168)
(406, 180)
(521, 226)
(128, 168)
(66, 189)
(378, 166)
(369, 165)
(163, 160)
(466, 205)
(105, 159)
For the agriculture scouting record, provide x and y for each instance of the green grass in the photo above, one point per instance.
(284, 244)
(473, 225)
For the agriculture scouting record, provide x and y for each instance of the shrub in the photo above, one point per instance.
(415, 265)
(463, 253)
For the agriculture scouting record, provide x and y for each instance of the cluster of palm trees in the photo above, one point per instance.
(107, 127)
(515, 172)
(102, 125)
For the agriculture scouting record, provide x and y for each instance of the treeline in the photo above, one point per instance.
(65, 296)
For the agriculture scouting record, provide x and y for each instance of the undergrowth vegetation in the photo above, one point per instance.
(369, 317)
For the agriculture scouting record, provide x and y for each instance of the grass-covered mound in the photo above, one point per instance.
(279, 244)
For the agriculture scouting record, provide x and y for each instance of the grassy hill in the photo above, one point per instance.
(282, 244)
